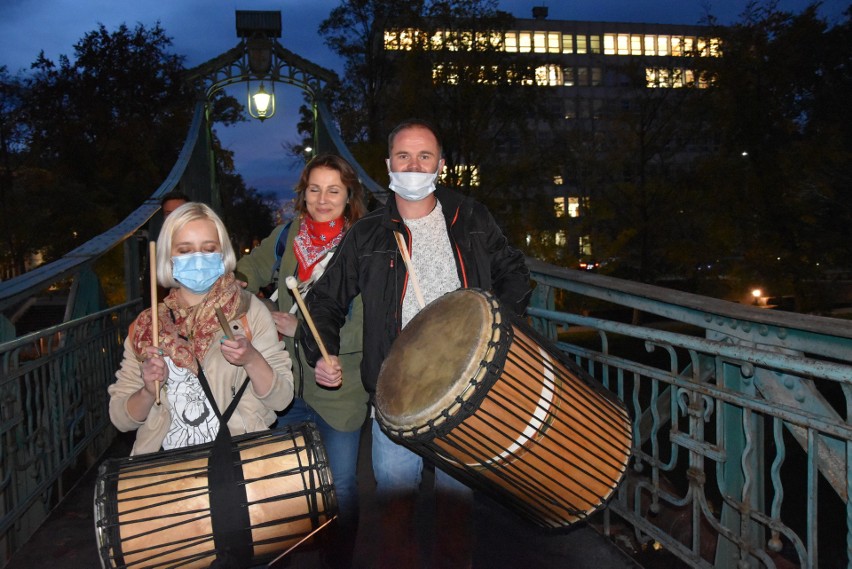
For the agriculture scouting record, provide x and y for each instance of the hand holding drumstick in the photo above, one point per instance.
(328, 371)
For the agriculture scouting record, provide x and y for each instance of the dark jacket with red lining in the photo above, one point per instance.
(368, 262)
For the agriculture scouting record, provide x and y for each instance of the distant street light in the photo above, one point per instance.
(756, 294)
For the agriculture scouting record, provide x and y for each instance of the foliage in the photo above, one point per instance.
(98, 134)
(776, 107)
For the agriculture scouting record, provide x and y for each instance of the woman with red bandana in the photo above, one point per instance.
(329, 199)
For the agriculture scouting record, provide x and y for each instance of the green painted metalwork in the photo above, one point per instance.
(732, 405)
(53, 405)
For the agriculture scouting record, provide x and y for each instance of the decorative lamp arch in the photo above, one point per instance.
(260, 58)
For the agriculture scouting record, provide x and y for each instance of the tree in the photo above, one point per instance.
(14, 229)
(108, 125)
(776, 107)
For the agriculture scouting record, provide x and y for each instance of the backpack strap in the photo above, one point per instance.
(281, 246)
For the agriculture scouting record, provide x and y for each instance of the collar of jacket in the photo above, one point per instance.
(450, 203)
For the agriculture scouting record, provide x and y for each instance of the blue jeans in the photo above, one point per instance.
(399, 471)
(342, 450)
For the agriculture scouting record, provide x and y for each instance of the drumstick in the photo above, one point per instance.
(407, 260)
(293, 285)
(155, 332)
(301, 541)
(223, 323)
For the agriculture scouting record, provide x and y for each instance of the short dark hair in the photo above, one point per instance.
(355, 207)
(174, 196)
(415, 123)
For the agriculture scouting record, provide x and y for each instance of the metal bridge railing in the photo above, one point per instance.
(54, 420)
(740, 420)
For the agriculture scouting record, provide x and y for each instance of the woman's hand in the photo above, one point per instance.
(239, 351)
(285, 323)
(154, 369)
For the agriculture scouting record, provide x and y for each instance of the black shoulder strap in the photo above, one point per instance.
(229, 514)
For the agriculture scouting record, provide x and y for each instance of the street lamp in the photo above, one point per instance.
(756, 294)
(261, 105)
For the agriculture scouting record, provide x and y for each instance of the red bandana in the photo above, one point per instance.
(313, 241)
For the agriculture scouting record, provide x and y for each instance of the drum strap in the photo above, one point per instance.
(229, 513)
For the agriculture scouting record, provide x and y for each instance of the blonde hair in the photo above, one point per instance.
(190, 211)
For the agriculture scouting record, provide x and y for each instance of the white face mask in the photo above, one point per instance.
(413, 186)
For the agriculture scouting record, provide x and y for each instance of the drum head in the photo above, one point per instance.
(434, 359)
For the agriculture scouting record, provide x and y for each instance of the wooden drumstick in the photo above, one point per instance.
(301, 541)
(293, 285)
(407, 260)
(155, 331)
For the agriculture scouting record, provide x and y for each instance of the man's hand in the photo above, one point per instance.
(329, 374)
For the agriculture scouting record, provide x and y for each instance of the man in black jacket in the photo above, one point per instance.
(453, 242)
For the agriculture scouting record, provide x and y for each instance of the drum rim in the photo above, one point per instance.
(464, 397)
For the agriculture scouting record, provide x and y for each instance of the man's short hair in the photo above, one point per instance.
(415, 123)
(174, 196)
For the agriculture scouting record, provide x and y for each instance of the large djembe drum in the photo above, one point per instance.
(155, 510)
(477, 391)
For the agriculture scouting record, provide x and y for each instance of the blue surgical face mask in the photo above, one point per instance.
(412, 186)
(198, 271)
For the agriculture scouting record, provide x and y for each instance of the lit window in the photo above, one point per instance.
(559, 206)
(581, 44)
(568, 76)
(650, 77)
(650, 45)
(677, 46)
(688, 45)
(662, 45)
(548, 75)
(407, 39)
(567, 43)
(511, 42)
(636, 45)
(585, 244)
(464, 173)
(715, 47)
(609, 44)
(391, 40)
(595, 44)
(623, 44)
(573, 207)
(525, 42)
(436, 42)
(554, 43)
(539, 42)
(560, 238)
(557, 180)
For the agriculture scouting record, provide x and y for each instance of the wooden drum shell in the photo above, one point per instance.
(154, 510)
(478, 392)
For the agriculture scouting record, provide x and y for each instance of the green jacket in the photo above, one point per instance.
(346, 408)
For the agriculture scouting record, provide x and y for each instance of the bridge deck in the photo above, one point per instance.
(67, 539)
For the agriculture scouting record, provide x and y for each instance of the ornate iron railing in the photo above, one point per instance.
(740, 419)
(54, 421)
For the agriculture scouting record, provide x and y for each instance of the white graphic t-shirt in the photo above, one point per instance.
(193, 419)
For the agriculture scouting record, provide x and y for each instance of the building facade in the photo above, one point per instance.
(587, 75)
